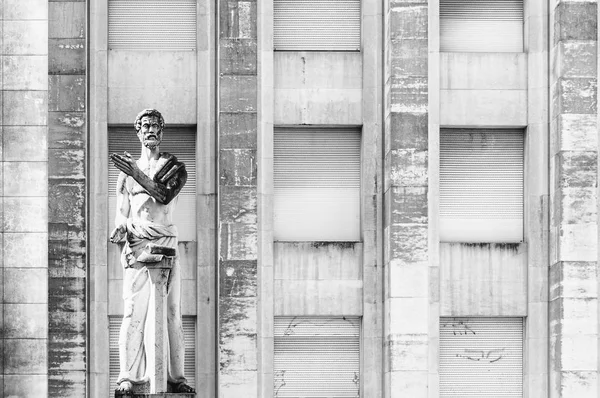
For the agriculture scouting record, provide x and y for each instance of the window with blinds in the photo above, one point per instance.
(481, 25)
(316, 184)
(316, 357)
(152, 25)
(481, 357)
(179, 141)
(189, 334)
(316, 25)
(481, 185)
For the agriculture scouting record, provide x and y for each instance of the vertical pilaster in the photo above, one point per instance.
(238, 235)
(406, 255)
(573, 222)
(24, 205)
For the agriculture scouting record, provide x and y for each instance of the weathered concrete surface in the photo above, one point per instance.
(67, 131)
(165, 80)
(317, 87)
(573, 312)
(487, 279)
(237, 301)
(406, 311)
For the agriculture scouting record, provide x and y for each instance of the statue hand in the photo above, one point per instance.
(118, 234)
(125, 163)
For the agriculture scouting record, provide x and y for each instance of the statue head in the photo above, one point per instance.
(149, 125)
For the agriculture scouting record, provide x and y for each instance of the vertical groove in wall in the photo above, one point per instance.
(406, 256)
(67, 275)
(573, 297)
(238, 250)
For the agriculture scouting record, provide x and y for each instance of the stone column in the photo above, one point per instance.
(406, 257)
(24, 169)
(237, 129)
(573, 314)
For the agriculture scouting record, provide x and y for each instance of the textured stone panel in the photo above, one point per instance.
(67, 313)
(66, 56)
(66, 93)
(25, 386)
(409, 58)
(407, 352)
(237, 130)
(25, 250)
(407, 131)
(25, 356)
(408, 21)
(25, 285)
(25, 179)
(67, 384)
(26, 321)
(25, 214)
(575, 169)
(238, 19)
(576, 133)
(66, 351)
(575, 21)
(409, 94)
(68, 202)
(406, 167)
(238, 93)
(66, 163)
(577, 95)
(25, 72)
(238, 167)
(68, 130)
(573, 280)
(576, 59)
(238, 204)
(237, 57)
(25, 143)
(406, 205)
(25, 38)
(25, 108)
(238, 241)
(408, 242)
(575, 206)
(66, 19)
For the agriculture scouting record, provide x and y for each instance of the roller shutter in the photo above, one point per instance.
(481, 25)
(179, 141)
(316, 357)
(317, 25)
(481, 357)
(152, 24)
(481, 185)
(189, 333)
(317, 184)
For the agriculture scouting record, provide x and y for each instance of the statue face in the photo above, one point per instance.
(150, 134)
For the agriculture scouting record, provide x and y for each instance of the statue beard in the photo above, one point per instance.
(152, 144)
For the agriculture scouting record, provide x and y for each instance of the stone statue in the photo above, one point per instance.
(146, 196)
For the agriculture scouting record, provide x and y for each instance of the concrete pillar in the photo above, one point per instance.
(406, 257)
(573, 315)
(237, 129)
(24, 171)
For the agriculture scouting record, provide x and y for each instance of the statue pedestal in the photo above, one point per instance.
(157, 358)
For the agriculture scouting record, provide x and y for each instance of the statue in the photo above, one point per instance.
(146, 195)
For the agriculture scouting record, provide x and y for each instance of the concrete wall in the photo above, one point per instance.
(573, 316)
(317, 87)
(483, 89)
(24, 305)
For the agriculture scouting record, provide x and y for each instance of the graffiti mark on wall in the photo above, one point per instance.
(459, 327)
(487, 356)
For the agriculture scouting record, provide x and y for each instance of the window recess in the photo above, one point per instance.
(481, 185)
(317, 184)
(481, 25)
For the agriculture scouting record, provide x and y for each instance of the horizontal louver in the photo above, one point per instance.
(481, 185)
(317, 184)
(481, 25)
(317, 25)
(316, 357)
(189, 334)
(179, 141)
(481, 357)
(152, 24)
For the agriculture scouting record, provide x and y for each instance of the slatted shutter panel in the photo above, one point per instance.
(189, 334)
(318, 25)
(179, 141)
(152, 24)
(317, 357)
(317, 184)
(481, 185)
(481, 357)
(481, 25)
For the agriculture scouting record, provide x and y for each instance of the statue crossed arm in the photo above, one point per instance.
(146, 197)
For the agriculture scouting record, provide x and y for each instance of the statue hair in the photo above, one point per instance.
(148, 112)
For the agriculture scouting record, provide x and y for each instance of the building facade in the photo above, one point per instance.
(385, 198)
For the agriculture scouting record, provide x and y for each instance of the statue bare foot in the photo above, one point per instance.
(184, 388)
(125, 388)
